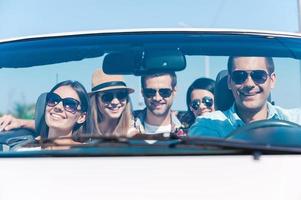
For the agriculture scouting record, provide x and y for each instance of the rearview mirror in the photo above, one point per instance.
(140, 62)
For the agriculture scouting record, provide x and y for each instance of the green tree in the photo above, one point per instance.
(23, 110)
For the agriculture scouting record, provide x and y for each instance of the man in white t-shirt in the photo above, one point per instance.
(158, 91)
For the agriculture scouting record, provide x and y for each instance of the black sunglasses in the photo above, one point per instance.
(258, 76)
(163, 92)
(69, 104)
(107, 97)
(207, 101)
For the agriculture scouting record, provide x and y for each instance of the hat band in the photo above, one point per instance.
(108, 84)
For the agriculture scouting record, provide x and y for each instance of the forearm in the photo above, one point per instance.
(27, 123)
(8, 122)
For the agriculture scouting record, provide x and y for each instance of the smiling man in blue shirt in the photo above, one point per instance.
(251, 80)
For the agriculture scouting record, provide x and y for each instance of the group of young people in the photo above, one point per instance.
(106, 110)
(70, 111)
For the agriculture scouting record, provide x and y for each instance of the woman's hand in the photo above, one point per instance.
(8, 122)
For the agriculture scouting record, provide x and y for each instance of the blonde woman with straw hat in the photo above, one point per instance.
(110, 106)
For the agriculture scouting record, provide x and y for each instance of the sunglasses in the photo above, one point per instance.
(69, 104)
(258, 76)
(163, 92)
(107, 97)
(207, 101)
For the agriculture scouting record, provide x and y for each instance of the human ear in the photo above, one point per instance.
(174, 91)
(82, 118)
(229, 82)
(273, 79)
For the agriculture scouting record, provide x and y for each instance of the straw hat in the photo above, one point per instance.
(103, 82)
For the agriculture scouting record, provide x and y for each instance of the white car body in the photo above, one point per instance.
(209, 177)
(166, 177)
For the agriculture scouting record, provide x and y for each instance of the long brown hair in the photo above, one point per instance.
(78, 129)
(124, 124)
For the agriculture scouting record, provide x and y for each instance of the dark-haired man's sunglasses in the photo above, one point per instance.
(70, 104)
(163, 92)
(258, 76)
(207, 101)
(107, 97)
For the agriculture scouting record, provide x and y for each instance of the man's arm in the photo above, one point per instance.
(203, 128)
(214, 124)
(8, 122)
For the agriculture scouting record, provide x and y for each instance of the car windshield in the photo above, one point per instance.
(33, 66)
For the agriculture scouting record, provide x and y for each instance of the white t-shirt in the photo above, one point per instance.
(151, 129)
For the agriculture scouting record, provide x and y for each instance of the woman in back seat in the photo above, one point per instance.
(199, 100)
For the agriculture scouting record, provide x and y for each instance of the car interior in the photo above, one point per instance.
(190, 56)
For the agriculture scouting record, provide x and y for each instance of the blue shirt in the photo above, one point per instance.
(222, 123)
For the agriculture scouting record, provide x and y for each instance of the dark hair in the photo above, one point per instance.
(202, 84)
(172, 75)
(269, 61)
(85, 106)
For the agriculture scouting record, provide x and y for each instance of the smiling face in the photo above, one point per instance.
(160, 102)
(58, 118)
(198, 95)
(251, 96)
(112, 103)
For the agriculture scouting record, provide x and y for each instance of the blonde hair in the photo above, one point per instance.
(124, 125)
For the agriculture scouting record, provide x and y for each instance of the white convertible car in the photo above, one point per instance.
(259, 161)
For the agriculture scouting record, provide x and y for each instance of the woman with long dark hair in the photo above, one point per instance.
(65, 113)
(67, 109)
(199, 100)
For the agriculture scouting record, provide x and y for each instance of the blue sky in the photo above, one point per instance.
(38, 17)
(31, 17)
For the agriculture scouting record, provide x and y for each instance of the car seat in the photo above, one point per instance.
(222, 95)
(40, 116)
